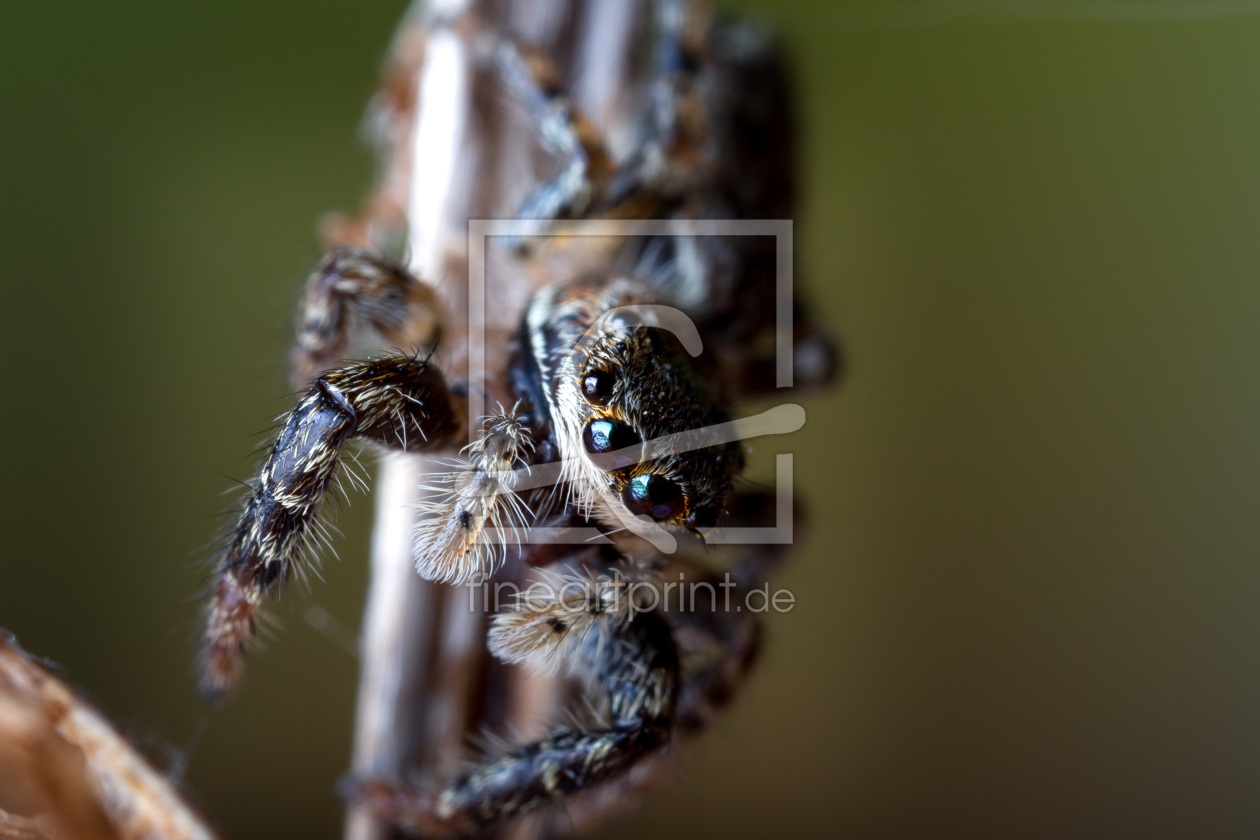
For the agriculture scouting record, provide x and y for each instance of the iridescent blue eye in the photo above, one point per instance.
(608, 435)
(654, 496)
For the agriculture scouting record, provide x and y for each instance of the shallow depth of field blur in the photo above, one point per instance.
(1030, 600)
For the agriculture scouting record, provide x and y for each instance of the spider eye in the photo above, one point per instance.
(655, 496)
(607, 435)
(704, 517)
(597, 386)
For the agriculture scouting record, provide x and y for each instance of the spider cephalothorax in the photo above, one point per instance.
(614, 419)
(617, 388)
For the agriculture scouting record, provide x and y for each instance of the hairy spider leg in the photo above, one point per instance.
(354, 285)
(674, 140)
(562, 129)
(452, 540)
(401, 402)
(586, 625)
(673, 133)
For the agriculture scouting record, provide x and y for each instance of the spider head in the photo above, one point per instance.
(645, 407)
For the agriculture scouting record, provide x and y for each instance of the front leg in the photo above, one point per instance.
(400, 402)
(354, 285)
(588, 625)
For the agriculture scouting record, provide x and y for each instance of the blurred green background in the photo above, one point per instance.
(1031, 600)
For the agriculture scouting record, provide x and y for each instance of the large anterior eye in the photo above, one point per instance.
(597, 386)
(655, 496)
(608, 435)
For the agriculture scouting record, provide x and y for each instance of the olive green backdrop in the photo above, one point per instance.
(1030, 604)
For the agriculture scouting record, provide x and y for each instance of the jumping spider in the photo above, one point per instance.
(604, 388)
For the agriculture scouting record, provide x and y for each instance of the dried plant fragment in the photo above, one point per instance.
(66, 773)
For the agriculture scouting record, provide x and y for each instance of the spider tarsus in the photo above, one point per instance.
(229, 631)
